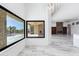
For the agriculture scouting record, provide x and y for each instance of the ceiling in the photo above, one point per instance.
(65, 11)
(60, 12)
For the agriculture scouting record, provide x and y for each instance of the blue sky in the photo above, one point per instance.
(13, 22)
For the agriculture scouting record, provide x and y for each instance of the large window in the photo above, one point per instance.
(11, 28)
(15, 29)
(35, 29)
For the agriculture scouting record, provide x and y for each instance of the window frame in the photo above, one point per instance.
(5, 9)
(35, 21)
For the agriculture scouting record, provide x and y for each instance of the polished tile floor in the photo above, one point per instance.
(61, 45)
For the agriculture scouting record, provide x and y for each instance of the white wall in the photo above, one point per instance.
(75, 32)
(53, 24)
(38, 11)
(74, 28)
(16, 48)
(65, 24)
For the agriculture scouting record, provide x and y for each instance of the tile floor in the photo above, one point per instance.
(61, 45)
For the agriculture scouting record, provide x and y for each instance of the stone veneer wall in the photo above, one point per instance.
(3, 36)
(59, 27)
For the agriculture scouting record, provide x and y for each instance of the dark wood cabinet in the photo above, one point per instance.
(64, 31)
(53, 30)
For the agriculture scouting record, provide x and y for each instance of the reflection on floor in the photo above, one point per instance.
(61, 45)
(12, 39)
